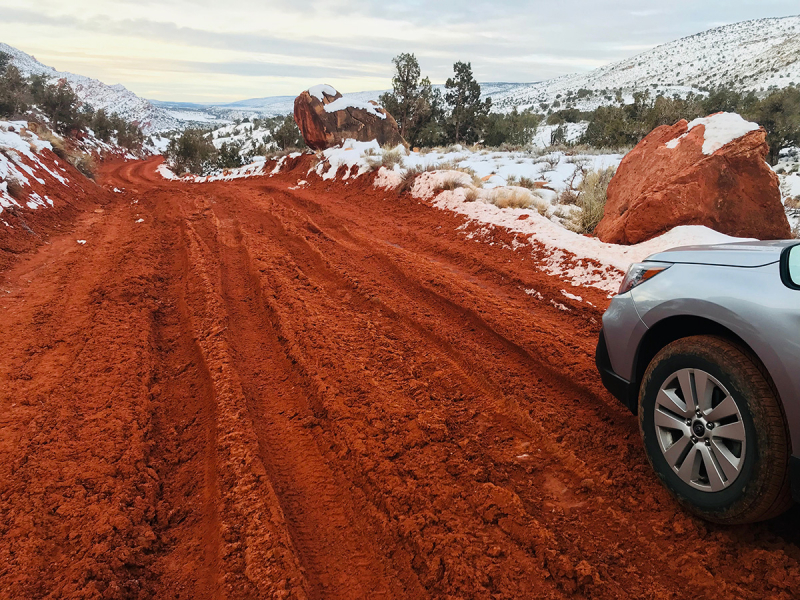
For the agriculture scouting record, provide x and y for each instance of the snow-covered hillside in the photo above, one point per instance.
(112, 98)
(751, 55)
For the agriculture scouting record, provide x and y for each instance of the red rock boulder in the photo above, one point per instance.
(708, 172)
(326, 119)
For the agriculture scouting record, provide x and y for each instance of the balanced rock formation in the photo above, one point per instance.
(326, 119)
(708, 172)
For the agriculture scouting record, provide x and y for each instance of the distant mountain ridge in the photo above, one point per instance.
(112, 98)
(750, 55)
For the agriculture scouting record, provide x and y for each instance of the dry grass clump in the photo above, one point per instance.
(592, 200)
(568, 197)
(592, 151)
(15, 189)
(449, 184)
(518, 198)
(511, 198)
(548, 162)
(527, 182)
(407, 179)
(792, 202)
(273, 154)
(470, 194)
(85, 163)
(390, 158)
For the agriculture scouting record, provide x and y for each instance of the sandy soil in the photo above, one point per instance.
(325, 393)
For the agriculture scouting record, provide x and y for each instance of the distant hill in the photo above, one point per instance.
(113, 98)
(751, 55)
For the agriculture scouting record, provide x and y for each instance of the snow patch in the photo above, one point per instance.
(345, 103)
(578, 259)
(720, 130)
(318, 90)
(388, 179)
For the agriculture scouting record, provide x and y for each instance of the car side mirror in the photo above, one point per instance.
(793, 266)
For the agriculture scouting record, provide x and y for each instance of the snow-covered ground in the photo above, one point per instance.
(21, 164)
(250, 134)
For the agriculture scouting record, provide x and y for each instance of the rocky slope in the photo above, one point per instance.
(112, 98)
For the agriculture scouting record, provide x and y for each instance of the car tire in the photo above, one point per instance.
(736, 469)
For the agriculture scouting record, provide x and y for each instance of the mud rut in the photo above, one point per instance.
(326, 393)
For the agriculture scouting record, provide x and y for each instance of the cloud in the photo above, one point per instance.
(242, 45)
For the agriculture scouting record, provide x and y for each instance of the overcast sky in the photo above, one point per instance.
(211, 50)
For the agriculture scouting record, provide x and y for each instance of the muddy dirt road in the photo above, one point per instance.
(242, 390)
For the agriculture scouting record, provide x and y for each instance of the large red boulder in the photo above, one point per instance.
(326, 119)
(708, 172)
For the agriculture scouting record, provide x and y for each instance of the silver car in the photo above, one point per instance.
(703, 343)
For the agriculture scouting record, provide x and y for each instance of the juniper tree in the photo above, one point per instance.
(14, 92)
(287, 135)
(414, 103)
(463, 95)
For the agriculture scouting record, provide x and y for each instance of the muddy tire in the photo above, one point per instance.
(714, 431)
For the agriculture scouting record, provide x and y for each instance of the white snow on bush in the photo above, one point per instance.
(720, 130)
(345, 103)
(318, 90)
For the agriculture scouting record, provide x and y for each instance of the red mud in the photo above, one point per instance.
(325, 393)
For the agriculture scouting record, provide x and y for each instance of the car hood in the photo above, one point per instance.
(738, 254)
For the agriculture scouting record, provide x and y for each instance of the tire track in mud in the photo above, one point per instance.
(644, 535)
(327, 393)
(335, 548)
(257, 552)
(508, 417)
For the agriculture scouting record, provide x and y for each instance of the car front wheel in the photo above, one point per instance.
(714, 431)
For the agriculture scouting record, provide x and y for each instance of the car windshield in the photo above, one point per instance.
(794, 265)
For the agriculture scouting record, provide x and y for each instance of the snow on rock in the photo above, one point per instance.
(720, 130)
(345, 103)
(319, 91)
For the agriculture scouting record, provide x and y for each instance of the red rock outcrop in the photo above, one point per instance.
(684, 175)
(326, 119)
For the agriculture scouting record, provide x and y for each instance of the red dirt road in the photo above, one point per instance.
(325, 393)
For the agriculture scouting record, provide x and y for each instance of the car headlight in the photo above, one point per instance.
(638, 273)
